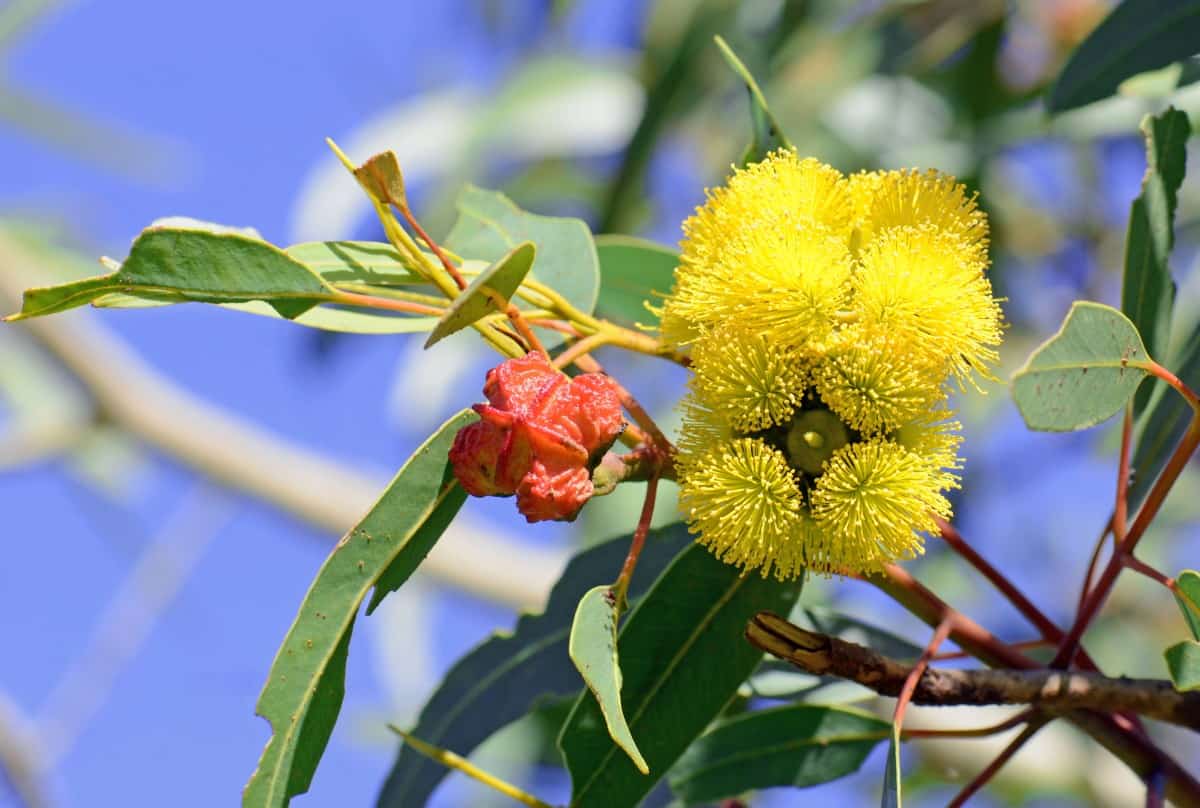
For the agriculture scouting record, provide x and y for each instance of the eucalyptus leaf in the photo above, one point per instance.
(633, 271)
(593, 649)
(766, 134)
(1148, 291)
(513, 673)
(1082, 375)
(892, 775)
(1183, 663)
(799, 745)
(175, 264)
(1139, 35)
(683, 658)
(490, 292)
(489, 225)
(1163, 423)
(1188, 584)
(303, 693)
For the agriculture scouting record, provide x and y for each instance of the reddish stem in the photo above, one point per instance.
(1091, 568)
(1170, 378)
(1146, 514)
(1121, 509)
(1023, 645)
(981, 732)
(621, 587)
(451, 270)
(910, 682)
(387, 303)
(981, 779)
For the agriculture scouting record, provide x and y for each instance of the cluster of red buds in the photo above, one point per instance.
(539, 437)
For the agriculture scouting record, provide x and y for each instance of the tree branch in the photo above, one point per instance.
(1049, 690)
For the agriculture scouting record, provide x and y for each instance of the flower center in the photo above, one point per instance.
(813, 437)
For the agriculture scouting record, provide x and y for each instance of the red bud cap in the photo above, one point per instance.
(538, 437)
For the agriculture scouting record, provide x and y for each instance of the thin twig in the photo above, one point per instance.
(981, 779)
(918, 669)
(621, 587)
(1121, 507)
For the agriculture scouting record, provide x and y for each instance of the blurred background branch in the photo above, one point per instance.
(248, 459)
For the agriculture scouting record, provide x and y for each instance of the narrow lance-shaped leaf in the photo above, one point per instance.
(892, 774)
(1164, 422)
(177, 264)
(1148, 291)
(488, 293)
(489, 225)
(633, 271)
(767, 135)
(798, 745)
(303, 693)
(358, 266)
(511, 674)
(683, 658)
(1082, 375)
(593, 648)
(1183, 663)
(1138, 35)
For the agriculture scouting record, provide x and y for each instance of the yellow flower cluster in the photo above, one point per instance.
(826, 319)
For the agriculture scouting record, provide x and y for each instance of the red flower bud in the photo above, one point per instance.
(538, 437)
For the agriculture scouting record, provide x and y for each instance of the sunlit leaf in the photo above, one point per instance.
(1082, 375)
(490, 292)
(303, 693)
(184, 264)
(511, 674)
(1183, 663)
(683, 658)
(892, 774)
(633, 271)
(489, 225)
(593, 648)
(1188, 598)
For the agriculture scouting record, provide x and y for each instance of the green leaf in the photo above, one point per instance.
(490, 292)
(373, 263)
(766, 135)
(891, 775)
(303, 693)
(512, 674)
(1163, 423)
(593, 649)
(348, 263)
(632, 272)
(1082, 375)
(1148, 292)
(1183, 663)
(799, 745)
(1188, 584)
(489, 225)
(1138, 35)
(682, 659)
(177, 264)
